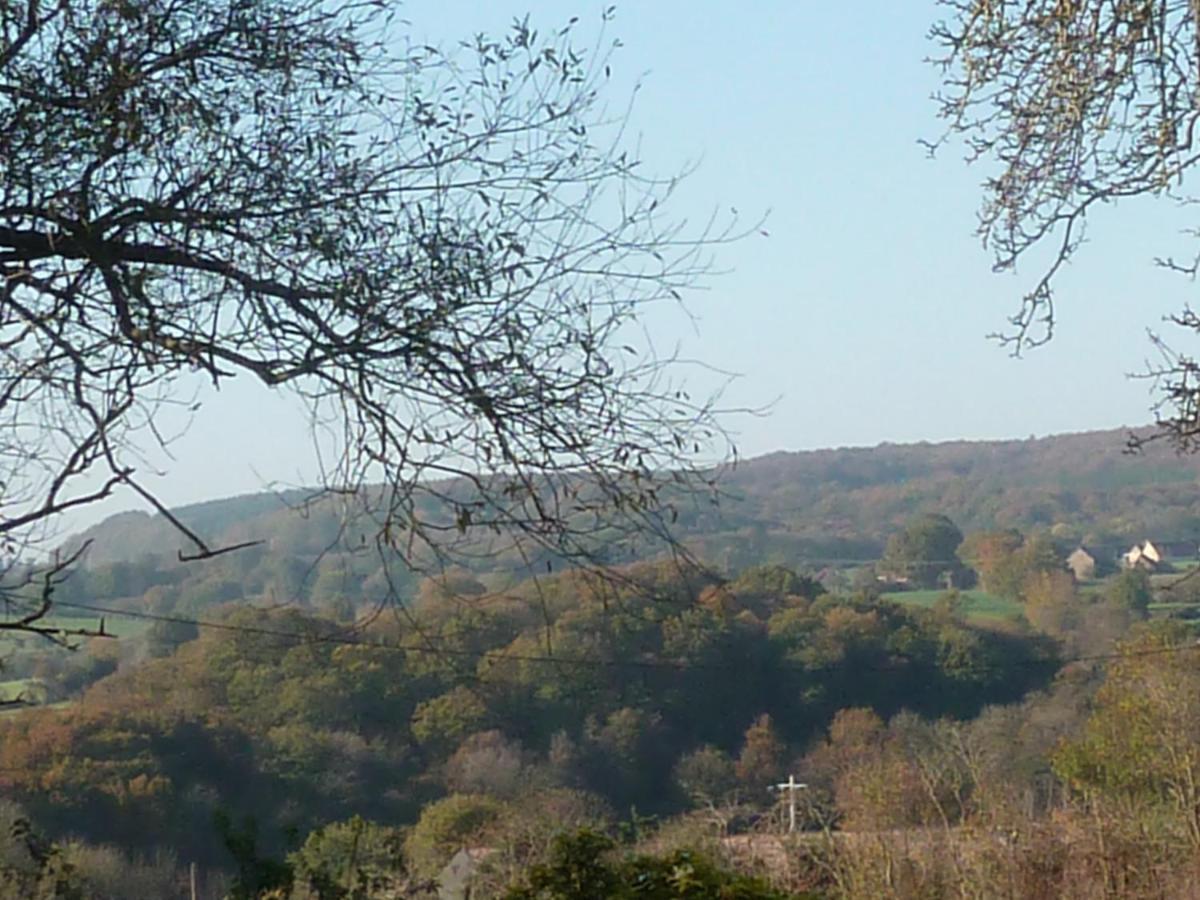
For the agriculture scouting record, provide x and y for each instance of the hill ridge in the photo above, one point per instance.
(831, 502)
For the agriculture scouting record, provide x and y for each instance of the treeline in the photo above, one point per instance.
(812, 508)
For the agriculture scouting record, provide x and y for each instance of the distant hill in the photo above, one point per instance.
(827, 506)
(817, 508)
(129, 536)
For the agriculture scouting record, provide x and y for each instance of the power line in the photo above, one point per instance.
(657, 664)
(342, 640)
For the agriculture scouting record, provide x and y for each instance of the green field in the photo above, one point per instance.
(10, 690)
(114, 625)
(118, 626)
(31, 688)
(978, 606)
(1173, 609)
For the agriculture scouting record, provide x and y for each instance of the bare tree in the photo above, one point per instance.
(444, 254)
(1077, 103)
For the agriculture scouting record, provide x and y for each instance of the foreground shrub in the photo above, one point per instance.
(583, 866)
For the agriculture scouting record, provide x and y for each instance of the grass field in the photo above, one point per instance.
(1172, 607)
(31, 690)
(118, 626)
(14, 688)
(978, 606)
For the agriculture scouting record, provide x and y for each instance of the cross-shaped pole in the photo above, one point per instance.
(791, 786)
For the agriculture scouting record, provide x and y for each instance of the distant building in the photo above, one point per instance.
(1082, 563)
(1145, 555)
(889, 582)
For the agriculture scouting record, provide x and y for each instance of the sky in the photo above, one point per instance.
(862, 318)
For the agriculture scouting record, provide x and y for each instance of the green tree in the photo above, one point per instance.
(1141, 744)
(1131, 591)
(762, 757)
(348, 855)
(924, 551)
(1039, 553)
(256, 873)
(164, 637)
(445, 827)
(774, 582)
(577, 870)
(334, 589)
(990, 554)
(1052, 602)
(706, 775)
(627, 755)
(582, 867)
(1005, 561)
(35, 868)
(446, 720)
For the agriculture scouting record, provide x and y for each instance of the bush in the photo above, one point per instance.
(354, 852)
(108, 872)
(582, 867)
(706, 775)
(446, 827)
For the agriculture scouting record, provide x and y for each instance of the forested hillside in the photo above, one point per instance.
(262, 712)
(466, 716)
(808, 508)
(832, 505)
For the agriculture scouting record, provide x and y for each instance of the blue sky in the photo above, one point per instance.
(863, 315)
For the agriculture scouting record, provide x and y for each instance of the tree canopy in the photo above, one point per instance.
(924, 550)
(441, 253)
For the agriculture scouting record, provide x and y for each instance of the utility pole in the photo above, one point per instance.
(192, 879)
(791, 786)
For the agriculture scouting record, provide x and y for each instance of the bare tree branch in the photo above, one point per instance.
(445, 255)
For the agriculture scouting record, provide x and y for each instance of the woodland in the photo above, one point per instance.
(254, 714)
